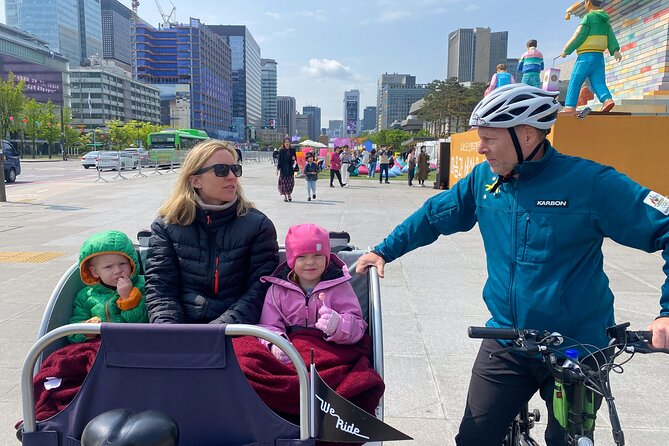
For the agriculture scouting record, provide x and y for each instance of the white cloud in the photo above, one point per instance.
(472, 7)
(274, 15)
(388, 17)
(319, 15)
(321, 69)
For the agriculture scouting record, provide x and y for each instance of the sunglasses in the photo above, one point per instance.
(222, 170)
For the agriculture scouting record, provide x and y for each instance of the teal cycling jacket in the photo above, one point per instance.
(543, 235)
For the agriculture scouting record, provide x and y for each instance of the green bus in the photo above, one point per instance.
(170, 146)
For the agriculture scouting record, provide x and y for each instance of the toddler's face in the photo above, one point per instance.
(110, 267)
(310, 266)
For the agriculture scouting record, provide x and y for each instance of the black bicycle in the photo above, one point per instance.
(578, 382)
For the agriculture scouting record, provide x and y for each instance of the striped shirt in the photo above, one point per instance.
(532, 61)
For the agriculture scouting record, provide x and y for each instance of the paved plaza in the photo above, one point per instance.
(429, 297)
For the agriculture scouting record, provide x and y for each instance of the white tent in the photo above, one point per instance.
(310, 143)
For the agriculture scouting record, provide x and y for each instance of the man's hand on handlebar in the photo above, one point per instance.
(660, 329)
(370, 259)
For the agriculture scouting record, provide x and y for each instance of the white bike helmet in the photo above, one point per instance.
(516, 104)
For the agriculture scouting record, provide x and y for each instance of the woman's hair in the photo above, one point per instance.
(501, 67)
(284, 141)
(180, 206)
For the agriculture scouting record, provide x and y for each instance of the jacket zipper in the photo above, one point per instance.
(527, 234)
(216, 278)
(514, 255)
(306, 306)
(215, 258)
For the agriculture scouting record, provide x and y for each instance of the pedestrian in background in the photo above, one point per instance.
(285, 168)
(311, 174)
(346, 162)
(335, 167)
(384, 156)
(373, 158)
(411, 164)
(423, 166)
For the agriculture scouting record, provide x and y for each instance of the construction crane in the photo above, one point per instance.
(167, 18)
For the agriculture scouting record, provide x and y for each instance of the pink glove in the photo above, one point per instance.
(328, 320)
(279, 354)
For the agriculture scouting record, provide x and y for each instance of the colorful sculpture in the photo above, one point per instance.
(592, 37)
(531, 64)
(501, 77)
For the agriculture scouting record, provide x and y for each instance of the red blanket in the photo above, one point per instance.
(71, 364)
(345, 368)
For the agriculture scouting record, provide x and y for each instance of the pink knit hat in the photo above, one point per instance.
(307, 239)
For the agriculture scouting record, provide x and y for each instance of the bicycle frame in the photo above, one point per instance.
(580, 377)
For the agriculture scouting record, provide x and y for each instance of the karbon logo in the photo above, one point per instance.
(552, 203)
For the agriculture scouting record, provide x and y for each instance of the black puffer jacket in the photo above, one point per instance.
(209, 271)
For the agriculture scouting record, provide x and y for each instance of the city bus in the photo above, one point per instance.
(170, 146)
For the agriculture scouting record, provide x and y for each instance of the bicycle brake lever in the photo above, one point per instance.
(500, 351)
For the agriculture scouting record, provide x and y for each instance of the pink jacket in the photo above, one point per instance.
(335, 161)
(286, 304)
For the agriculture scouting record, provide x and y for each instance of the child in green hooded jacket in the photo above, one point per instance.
(114, 291)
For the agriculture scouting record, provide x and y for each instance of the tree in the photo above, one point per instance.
(118, 134)
(32, 111)
(11, 102)
(71, 134)
(449, 104)
(50, 128)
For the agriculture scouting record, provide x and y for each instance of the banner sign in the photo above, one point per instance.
(338, 420)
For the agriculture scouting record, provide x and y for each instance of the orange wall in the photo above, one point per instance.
(463, 155)
(637, 146)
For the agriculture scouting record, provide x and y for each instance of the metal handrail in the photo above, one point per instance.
(28, 396)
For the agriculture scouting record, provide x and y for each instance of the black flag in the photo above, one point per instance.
(337, 419)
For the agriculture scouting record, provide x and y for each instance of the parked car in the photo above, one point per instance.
(140, 154)
(116, 160)
(90, 159)
(12, 164)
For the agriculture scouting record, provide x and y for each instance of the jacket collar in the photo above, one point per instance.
(530, 169)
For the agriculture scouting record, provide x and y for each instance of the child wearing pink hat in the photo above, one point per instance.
(311, 289)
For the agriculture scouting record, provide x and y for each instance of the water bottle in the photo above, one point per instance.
(572, 359)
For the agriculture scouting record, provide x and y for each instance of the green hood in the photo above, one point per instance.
(108, 242)
(601, 15)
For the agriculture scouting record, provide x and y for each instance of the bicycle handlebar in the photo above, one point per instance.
(493, 333)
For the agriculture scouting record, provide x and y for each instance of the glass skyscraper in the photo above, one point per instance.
(246, 76)
(72, 28)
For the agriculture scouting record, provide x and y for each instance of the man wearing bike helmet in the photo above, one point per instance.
(543, 217)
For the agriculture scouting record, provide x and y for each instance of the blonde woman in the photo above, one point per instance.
(209, 246)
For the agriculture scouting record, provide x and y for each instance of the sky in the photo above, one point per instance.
(324, 48)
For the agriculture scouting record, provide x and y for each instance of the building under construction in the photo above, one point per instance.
(192, 68)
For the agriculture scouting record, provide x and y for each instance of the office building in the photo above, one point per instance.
(473, 53)
(101, 93)
(334, 128)
(45, 73)
(512, 69)
(116, 31)
(368, 119)
(268, 93)
(396, 102)
(314, 115)
(302, 125)
(286, 110)
(72, 28)
(246, 77)
(192, 68)
(351, 113)
(381, 83)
